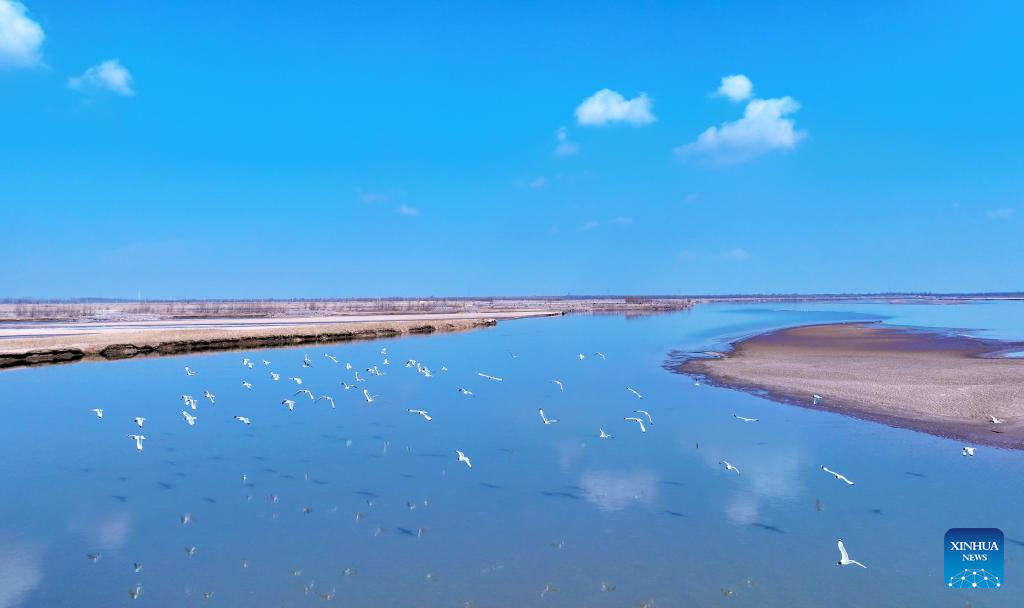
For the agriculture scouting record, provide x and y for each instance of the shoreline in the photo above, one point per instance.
(923, 380)
(53, 343)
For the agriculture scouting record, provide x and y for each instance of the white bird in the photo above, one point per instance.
(210, 396)
(968, 451)
(466, 392)
(243, 420)
(646, 414)
(189, 418)
(306, 362)
(189, 372)
(138, 440)
(246, 362)
(561, 386)
(346, 386)
(815, 399)
(386, 361)
(544, 418)
(275, 376)
(288, 403)
(328, 399)
(996, 420)
(844, 557)
(369, 398)
(295, 379)
(463, 458)
(423, 413)
(306, 392)
(600, 354)
(189, 400)
(643, 429)
(139, 421)
(410, 363)
(265, 362)
(728, 466)
(603, 435)
(348, 366)
(581, 356)
(838, 476)
(384, 351)
(358, 379)
(744, 419)
(488, 376)
(444, 369)
(633, 390)
(247, 384)
(331, 358)
(98, 411)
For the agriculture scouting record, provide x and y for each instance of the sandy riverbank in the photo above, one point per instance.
(39, 344)
(937, 383)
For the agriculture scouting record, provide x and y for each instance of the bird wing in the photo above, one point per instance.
(843, 555)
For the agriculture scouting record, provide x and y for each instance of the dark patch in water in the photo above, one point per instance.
(768, 527)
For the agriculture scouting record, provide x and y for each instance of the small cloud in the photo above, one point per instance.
(371, 197)
(537, 183)
(564, 145)
(607, 106)
(622, 220)
(21, 38)
(109, 75)
(737, 253)
(763, 129)
(407, 210)
(1000, 214)
(691, 198)
(590, 225)
(735, 87)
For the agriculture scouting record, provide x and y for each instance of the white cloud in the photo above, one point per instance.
(1000, 214)
(607, 106)
(763, 128)
(737, 253)
(109, 75)
(371, 197)
(407, 210)
(20, 37)
(590, 225)
(537, 183)
(565, 146)
(616, 491)
(736, 87)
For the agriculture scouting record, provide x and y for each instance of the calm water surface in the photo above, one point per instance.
(652, 515)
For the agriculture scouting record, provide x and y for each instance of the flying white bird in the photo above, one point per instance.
(646, 414)
(189, 418)
(545, 419)
(728, 466)
(346, 386)
(247, 384)
(838, 476)
(275, 376)
(288, 403)
(265, 362)
(139, 421)
(444, 369)
(97, 411)
(243, 420)
(138, 440)
(210, 396)
(246, 362)
(466, 392)
(815, 399)
(387, 361)
(463, 458)
(295, 379)
(488, 376)
(410, 363)
(189, 400)
(348, 366)
(581, 356)
(423, 413)
(330, 358)
(306, 392)
(633, 390)
(643, 429)
(359, 379)
(968, 451)
(603, 435)
(384, 351)
(561, 386)
(600, 354)
(306, 362)
(369, 398)
(328, 399)
(744, 419)
(996, 420)
(189, 372)
(844, 557)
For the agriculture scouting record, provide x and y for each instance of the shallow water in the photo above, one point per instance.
(651, 514)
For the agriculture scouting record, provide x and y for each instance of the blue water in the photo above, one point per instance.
(653, 514)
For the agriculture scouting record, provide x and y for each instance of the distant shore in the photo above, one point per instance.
(60, 342)
(938, 383)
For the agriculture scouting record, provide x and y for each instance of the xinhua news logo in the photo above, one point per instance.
(974, 558)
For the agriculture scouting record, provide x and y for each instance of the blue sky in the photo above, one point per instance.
(309, 149)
